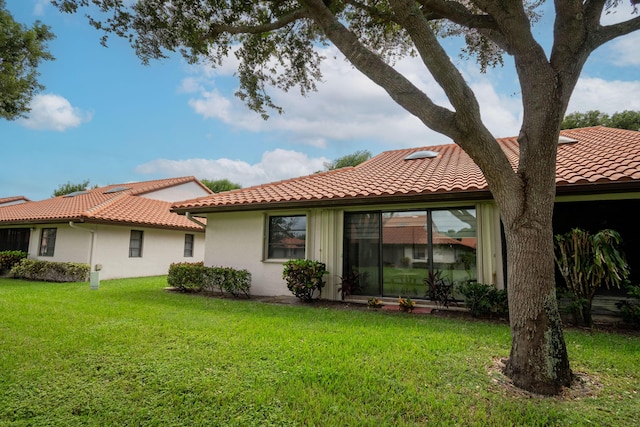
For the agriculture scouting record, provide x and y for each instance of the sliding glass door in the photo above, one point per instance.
(391, 253)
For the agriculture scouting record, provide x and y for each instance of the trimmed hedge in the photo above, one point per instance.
(10, 258)
(48, 271)
(195, 277)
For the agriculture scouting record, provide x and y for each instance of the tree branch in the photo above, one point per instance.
(283, 21)
(395, 84)
(457, 13)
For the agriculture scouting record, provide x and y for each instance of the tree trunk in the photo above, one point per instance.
(538, 361)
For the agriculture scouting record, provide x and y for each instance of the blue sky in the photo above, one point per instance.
(106, 118)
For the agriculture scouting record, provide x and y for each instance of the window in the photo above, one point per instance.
(392, 253)
(188, 245)
(287, 237)
(14, 239)
(135, 244)
(47, 241)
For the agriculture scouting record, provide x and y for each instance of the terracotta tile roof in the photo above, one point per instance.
(601, 156)
(117, 204)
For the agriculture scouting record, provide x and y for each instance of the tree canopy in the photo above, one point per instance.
(220, 185)
(276, 45)
(21, 51)
(352, 159)
(69, 188)
(627, 119)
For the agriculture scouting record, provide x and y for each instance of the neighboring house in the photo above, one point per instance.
(8, 201)
(122, 230)
(405, 213)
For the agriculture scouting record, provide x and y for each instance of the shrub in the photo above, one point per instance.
(230, 280)
(587, 262)
(352, 282)
(439, 290)
(10, 258)
(304, 278)
(406, 304)
(187, 276)
(374, 302)
(48, 271)
(195, 277)
(630, 308)
(483, 300)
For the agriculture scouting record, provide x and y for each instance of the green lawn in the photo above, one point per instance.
(133, 354)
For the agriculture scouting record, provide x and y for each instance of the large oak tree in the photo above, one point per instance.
(276, 43)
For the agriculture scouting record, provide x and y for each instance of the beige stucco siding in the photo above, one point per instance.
(238, 239)
(110, 248)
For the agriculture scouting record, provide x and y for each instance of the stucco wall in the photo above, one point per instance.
(111, 248)
(237, 240)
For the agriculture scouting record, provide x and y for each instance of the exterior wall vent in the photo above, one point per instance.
(421, 155)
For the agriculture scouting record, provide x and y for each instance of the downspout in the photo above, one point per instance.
(94, 275)
(192, 219)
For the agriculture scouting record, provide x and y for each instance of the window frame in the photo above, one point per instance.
(136, 252)
(377, 278)
(47, 245)
(189, 245)
(267, 252)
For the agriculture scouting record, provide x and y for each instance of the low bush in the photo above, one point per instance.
(195, 277)
(10, 258)
(484, 300)
(630, 307)
(305, 278)
(187, 276)
(48, 271)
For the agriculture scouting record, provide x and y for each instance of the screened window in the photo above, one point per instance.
(287, 237)
(47, 241)
(14, 239)
(188, 245)
(135, 244)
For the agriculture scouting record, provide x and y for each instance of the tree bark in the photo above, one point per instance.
(538, 361)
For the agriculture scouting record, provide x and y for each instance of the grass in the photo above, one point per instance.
(131, 353)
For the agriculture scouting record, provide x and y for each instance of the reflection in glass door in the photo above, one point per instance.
(404, 253)
(392, 253)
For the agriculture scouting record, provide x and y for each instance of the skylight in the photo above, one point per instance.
(76, 193)
(116, 190)
(566, 140)
(421, 155)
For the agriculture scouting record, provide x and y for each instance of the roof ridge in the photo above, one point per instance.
(161, 183)
(93, 210)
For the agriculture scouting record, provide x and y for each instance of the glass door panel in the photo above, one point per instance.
(362, 252)
(404, 254)
(454, 240)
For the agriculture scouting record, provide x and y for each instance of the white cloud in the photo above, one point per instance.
(39, 7)
(347, 106)
(624, 51)
(53, 112)
(603, 95)
(274, 166)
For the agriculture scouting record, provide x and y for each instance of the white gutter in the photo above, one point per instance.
(192, 219)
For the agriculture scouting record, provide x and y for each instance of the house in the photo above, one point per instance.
(120, 230)
(405, 213)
